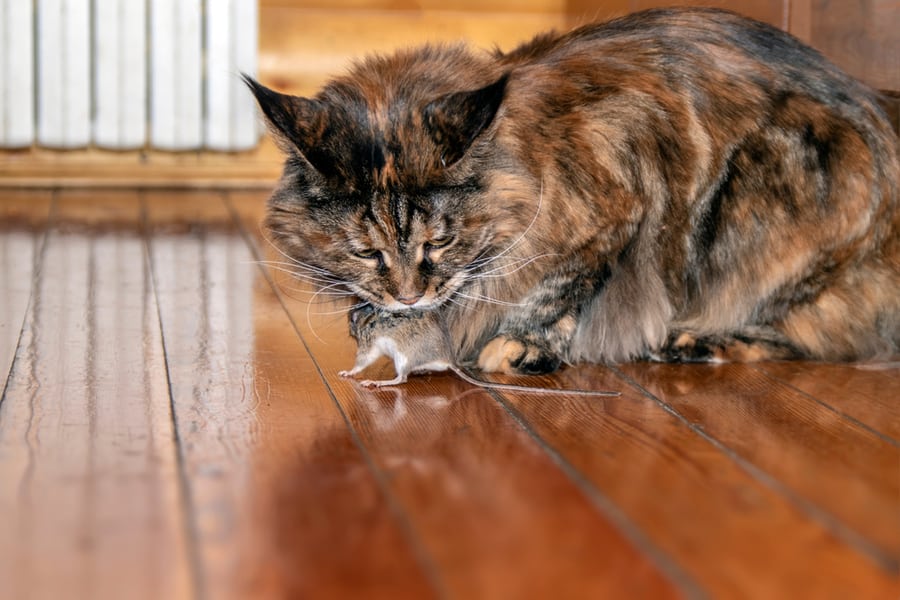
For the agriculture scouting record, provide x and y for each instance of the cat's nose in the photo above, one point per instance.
(410, 300)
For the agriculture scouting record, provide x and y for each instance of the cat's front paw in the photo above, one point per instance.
(687, 347)
(745, 346)
(517, 357)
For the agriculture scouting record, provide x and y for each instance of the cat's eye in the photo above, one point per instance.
(439, 242)
(369, 253)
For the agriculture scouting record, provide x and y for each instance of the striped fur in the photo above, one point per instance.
(683, 184)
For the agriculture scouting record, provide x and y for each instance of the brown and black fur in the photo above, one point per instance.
(683, 184)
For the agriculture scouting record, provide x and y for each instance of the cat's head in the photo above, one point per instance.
(386, 184)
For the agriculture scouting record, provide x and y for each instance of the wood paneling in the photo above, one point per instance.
(862, 37)
(41, 168)
(422, 5)
(304, 43)
(800, 19)
(301, 50)
(774, 12)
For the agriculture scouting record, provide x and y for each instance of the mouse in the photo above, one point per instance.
(417, 342)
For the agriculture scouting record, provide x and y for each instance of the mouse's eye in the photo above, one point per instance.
(439, 242)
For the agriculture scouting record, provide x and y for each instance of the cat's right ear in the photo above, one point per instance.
(292, 121)
(455, 120)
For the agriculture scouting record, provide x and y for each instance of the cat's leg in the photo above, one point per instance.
(856, 316)
(751, 344)
(514, 354)
(534, 338)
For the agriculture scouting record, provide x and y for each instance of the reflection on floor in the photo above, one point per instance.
(172, 425)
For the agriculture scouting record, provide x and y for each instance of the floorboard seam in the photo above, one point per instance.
(32, 308)
(609, 509)
(426, 563)
(198, 578)
(850, 536)
(35, 282)
(829, 407)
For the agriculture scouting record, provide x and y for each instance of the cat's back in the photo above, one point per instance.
(670, 36)
(733, 74)
(687, 48)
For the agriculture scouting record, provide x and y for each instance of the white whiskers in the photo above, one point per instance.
(489, 300)
(511, 267)
(479, 263)
(293, 271)
(316, 287)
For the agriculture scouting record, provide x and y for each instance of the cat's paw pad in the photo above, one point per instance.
(510, 355)
(687, 347)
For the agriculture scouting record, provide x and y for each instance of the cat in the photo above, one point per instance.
(675, 184)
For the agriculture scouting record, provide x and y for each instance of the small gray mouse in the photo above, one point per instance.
(417, 343)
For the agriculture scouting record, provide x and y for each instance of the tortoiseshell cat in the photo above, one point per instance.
(682, 184)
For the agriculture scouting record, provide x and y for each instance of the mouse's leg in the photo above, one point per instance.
(356, 370)
(401, 367)
(363, 360)
(377, 383)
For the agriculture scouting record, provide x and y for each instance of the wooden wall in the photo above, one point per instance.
(862, 36)
(539, 6)
(303, 43)
(770, 11)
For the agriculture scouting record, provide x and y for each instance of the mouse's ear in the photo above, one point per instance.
(454, 121)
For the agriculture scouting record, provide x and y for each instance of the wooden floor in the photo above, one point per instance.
(172, 426)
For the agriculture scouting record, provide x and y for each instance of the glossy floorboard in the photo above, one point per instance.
(172, 426)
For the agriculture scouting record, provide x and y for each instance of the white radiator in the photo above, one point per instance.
(127, 74)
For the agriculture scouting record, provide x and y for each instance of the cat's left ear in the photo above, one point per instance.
(292, 121)
(455, 120)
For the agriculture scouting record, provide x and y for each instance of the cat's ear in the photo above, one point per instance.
(455, 120)
(294, 122)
